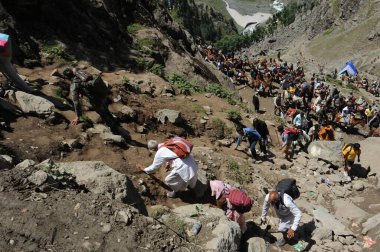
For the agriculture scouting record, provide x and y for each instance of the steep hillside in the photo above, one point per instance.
(328, 33)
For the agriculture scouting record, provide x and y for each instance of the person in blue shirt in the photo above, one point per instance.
(252, 136)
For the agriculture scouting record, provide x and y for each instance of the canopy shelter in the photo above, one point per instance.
(349, 68)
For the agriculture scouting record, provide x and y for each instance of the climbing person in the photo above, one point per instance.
(326, 133)
(300, 121)
(288, 136)
(175, 153)
(349, 153)
(282, 200)
(234, 201)
(278, 106)
(97, 92)
(256, 102)
(252, 136)
(262, 128)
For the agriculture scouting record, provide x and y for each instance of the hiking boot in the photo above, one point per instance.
(171, 194)
(281, 242)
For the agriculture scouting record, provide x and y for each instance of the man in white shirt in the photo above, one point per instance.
(183, 172)
(287, 211)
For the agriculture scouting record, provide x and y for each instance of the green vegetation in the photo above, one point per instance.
(158, 69)
(183, 85)
(57, 51)
(219, 129)
(177, 224)
(141, 63)
(334, 81)
(158, 213)
(125, 81)
(234, 115)
(145, 45)
(198, 108)
(58, 93)
(335, 7)
(134, 28)
(238, 175)
(87, 122)
(221, 92)
(328, 31)
(352, 86)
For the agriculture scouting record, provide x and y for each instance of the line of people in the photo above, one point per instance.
(175, 154)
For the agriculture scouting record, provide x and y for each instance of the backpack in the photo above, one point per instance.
(240, 201)
(179, 146)
(289, 187)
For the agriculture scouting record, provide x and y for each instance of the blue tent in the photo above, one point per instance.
(349, 68)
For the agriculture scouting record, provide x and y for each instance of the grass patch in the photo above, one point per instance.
(58, 93)
(58, 51)
(134, 28)
(335, 7)
(238, 174)
(158, 69)
(145, 45)
(221, 92)
(177, 224)
(352, 87)
(234, 115)
(198, 109)
(184, 86)
(334, 81)
(219, 129)
(328, 31)
(87, 122)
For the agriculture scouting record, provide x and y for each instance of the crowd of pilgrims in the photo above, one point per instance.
(313, 106)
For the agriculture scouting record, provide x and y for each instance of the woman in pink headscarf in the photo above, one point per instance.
(221, 192)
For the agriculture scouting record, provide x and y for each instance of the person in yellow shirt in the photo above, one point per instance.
(369, 113)
(349, 152)
(326, 133)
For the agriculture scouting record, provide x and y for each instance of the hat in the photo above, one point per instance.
(218, 187)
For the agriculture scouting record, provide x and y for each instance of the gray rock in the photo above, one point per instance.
(5, 162)
(370, 156)
(208, 110)
(97, 177)
(227, 237)
(256, 244)
(128, 112)
(225, 142)
(98, 129)
(358, 185)
(322, 234)
(124, 216)
(329, 151)
(334, 245)
(201, 185)
(72, 143)
(329, 221)
(371, 223)
(27, 163)
(38, 177)
(170, 115)
(34, 104)
(111, 138)
(346, 209)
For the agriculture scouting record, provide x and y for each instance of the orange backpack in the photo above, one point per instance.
(179, 146)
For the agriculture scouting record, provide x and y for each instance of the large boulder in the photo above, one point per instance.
(369, 156)
(329, 151)
(256, 244)
(169, 115)
(224, 236)
(328, 221)
(372, 223)
(34, 104)
(348, 210)
(5, 162)
(97, 177)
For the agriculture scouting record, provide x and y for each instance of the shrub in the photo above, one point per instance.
(219, 129)
(134, 28)
(158, 69)
(221, 92)
(198, 108)
(58, 51)
(185, 87)
(125, 81)
(233, 115)
(238, 175)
